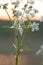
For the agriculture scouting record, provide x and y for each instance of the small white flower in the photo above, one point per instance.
(20, 31)
(26, 15)
(32, 13)
(17, 13)
(27, 11)
(15, 23)
(35, 26)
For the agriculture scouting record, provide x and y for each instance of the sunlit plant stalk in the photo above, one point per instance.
(17, 46)
(19, 43)
(5, 7)
(17, 40)
(16, 37)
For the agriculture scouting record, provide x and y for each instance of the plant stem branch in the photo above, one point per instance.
(9, 16)
(17, 50)
(17, 56)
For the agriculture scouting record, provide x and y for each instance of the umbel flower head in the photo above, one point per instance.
(24, 12)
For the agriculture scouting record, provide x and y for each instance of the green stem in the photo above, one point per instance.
(17, 56)
(17, 50)
(22, 39)
(17, 41)
(9, 16)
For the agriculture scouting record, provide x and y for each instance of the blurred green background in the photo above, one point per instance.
(33, 41)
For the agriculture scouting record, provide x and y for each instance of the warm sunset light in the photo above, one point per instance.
(38, 3)
(4, 1)
(3, 13)
(10, 6)
(39, 6)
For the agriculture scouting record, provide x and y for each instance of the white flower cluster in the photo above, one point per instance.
(25, 11)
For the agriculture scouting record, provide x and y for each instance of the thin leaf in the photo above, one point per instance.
(14, 45)
(5, 27)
